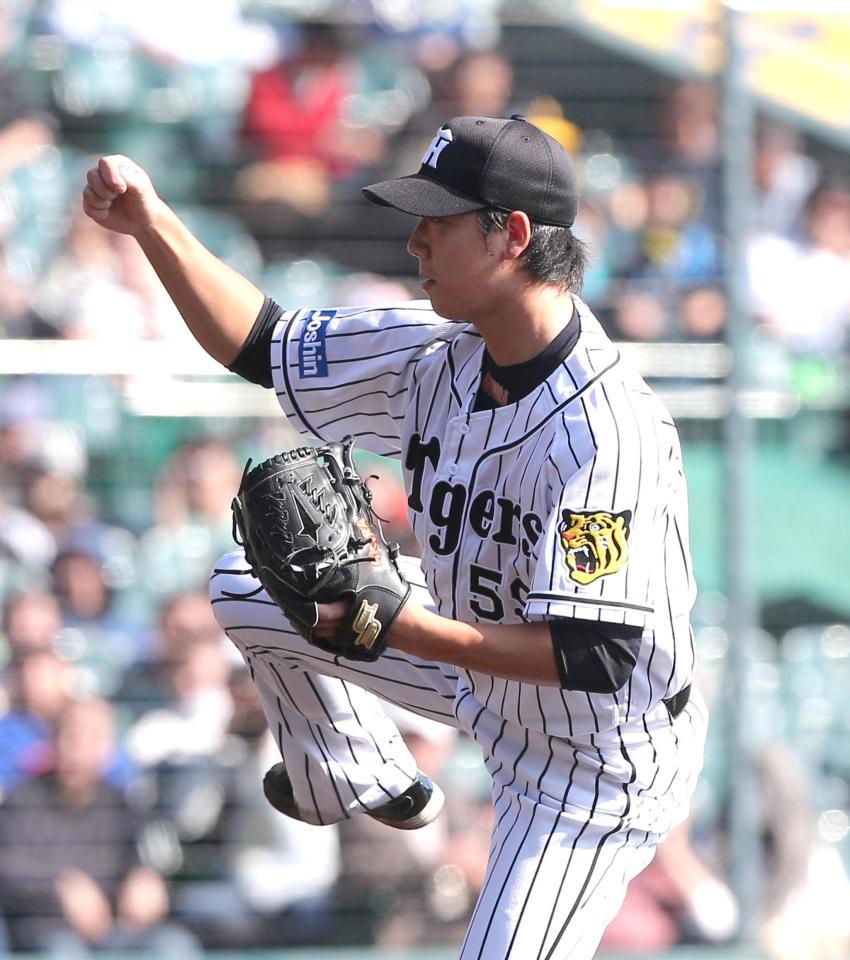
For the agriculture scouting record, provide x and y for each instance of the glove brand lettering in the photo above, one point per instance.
(441, 140)
(366, 625)
(312, 356)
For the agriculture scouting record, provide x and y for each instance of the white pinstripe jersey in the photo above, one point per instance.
(570, 502)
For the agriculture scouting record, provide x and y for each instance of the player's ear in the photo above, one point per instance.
(517, 234)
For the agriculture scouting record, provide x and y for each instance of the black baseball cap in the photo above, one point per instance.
(478, 162)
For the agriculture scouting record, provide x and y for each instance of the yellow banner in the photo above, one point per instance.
(799, 59)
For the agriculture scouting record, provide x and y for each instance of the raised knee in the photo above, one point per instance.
(231, 579)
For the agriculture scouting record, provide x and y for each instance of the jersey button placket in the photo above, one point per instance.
(455, 448)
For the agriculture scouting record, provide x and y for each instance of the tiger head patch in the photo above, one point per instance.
(595, 544)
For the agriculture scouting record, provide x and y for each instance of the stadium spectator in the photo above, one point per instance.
(193, 725)
(50, 469)
(104, 642)
(183, 619)
(803, 910)
(184, 748)
(275, 875)
(661, 247)
(297, 122)
(31, 621)
(70, 879)
(676, 245)
(41, 685)
(812, 314)
(91, 280)
(690, 145)
(784, 179)
(193, 518)
(639, 315)
(702, 314)
(242, 875)
(45, 506)
(27, 547)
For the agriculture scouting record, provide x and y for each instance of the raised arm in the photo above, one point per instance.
(218, 304)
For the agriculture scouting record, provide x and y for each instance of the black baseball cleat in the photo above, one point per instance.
(419, 805)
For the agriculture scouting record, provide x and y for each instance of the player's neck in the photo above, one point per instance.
(523, 326)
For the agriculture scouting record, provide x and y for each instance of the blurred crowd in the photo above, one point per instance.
(133, 746)
(132, 742)
(263, 126)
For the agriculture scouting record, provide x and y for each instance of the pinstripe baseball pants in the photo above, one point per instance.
(575, 820)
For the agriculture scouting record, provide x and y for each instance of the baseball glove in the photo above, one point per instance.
(305, 520)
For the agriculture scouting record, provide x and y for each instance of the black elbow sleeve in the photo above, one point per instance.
(594, 656)
(253, 362)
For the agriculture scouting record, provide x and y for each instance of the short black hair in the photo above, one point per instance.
(554, 255)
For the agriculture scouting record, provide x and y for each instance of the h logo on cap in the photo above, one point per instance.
(441, 140)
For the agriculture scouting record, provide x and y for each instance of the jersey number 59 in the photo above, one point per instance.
(485, 602)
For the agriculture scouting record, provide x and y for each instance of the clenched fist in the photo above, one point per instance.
(119, 195)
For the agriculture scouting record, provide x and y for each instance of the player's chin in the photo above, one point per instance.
(443, 308)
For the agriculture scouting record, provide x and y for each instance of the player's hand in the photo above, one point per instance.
(119, 195)
(331, 616)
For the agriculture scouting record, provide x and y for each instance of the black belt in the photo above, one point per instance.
(675, 705)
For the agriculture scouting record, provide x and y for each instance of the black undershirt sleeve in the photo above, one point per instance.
(592, 655)
(253, 362)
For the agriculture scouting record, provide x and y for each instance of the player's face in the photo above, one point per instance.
(454, 265)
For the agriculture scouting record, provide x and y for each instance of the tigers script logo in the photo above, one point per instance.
(490, 517)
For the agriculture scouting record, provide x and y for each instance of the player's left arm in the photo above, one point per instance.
(558, 653)
(515, 651)
(563, 652)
